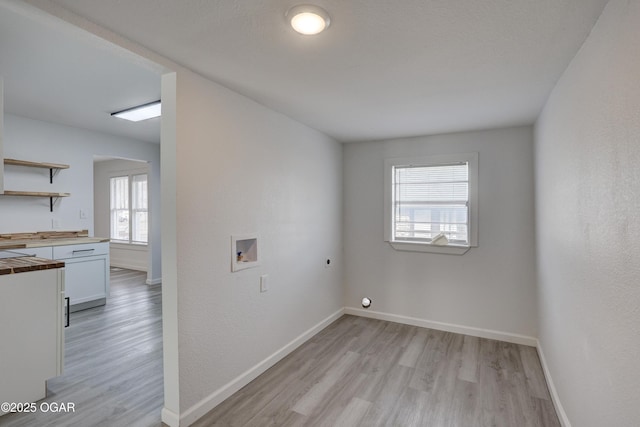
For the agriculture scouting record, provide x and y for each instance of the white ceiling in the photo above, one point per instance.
(57, 73)
(383, 69)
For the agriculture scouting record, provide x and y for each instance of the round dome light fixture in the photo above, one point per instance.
(308, 19)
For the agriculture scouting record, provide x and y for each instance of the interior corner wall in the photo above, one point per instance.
(587, 152)
(243, 168)
(491, 287)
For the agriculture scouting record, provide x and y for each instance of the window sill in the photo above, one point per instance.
(426, 247)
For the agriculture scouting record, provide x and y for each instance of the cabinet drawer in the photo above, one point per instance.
(76, 251)
(44, 252)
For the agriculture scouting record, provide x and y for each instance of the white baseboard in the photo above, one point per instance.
(555, 398)
(170, 418)
(448, 327)
(198, 410)
(127, 266)
(154, 281)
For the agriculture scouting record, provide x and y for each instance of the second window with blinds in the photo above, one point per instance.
(129, 209)
(431, 203)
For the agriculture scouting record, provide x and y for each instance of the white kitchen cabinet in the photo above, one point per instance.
(87, 273)
(80, 250)
(46, 252)
(32, 331)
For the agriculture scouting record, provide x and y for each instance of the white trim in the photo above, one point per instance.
(555, 398)
(243, 265)
(427, 247)
(170, 418)
(128, 266)
(140, 247)
(447, 327)
(156, 281)
(198, 410)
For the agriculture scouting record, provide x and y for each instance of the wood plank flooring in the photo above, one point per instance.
(356, 372)
(113, 362)
(365, 372)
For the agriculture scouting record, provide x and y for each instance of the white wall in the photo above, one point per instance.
(490, 287)
(242, 168)
(588, 234)
(1, 134)
(34, 140)
(134, 257)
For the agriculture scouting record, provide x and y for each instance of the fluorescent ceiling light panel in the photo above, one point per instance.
(141, 112)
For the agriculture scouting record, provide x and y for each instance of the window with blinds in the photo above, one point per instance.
(129, 209)
(139, 210)
(427, 197)
(120, 208)
(429, 200)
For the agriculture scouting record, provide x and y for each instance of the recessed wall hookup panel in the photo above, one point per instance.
(245, 252)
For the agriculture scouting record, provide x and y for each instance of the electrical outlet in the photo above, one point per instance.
(83, 214)
(55, 224)
(264, 284)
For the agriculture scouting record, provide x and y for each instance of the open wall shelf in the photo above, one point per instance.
(53, 197)
(54, 168)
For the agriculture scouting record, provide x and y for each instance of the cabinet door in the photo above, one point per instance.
(86, 279)
(30, 327)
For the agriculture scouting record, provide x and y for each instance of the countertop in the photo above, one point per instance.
(47, 238)
(27, 263)
(39, 243)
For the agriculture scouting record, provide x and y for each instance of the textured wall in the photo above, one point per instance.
(242, 168)
(588, 201)
(491, 286)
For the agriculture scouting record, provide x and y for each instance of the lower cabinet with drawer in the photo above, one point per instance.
(45, 252)
(86, 275)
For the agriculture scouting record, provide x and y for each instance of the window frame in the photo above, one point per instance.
(129, 175)
(134, 210)
(434, 160)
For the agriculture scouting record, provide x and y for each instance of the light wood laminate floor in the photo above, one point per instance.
(356, 372)
(113, 362)
(365, 372)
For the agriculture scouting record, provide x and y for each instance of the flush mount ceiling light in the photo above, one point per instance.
(141, 112)
(308, 19)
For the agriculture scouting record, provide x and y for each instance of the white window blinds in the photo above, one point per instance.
(129, 209)
(120, 208)
(429, 200)
(139, 212)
